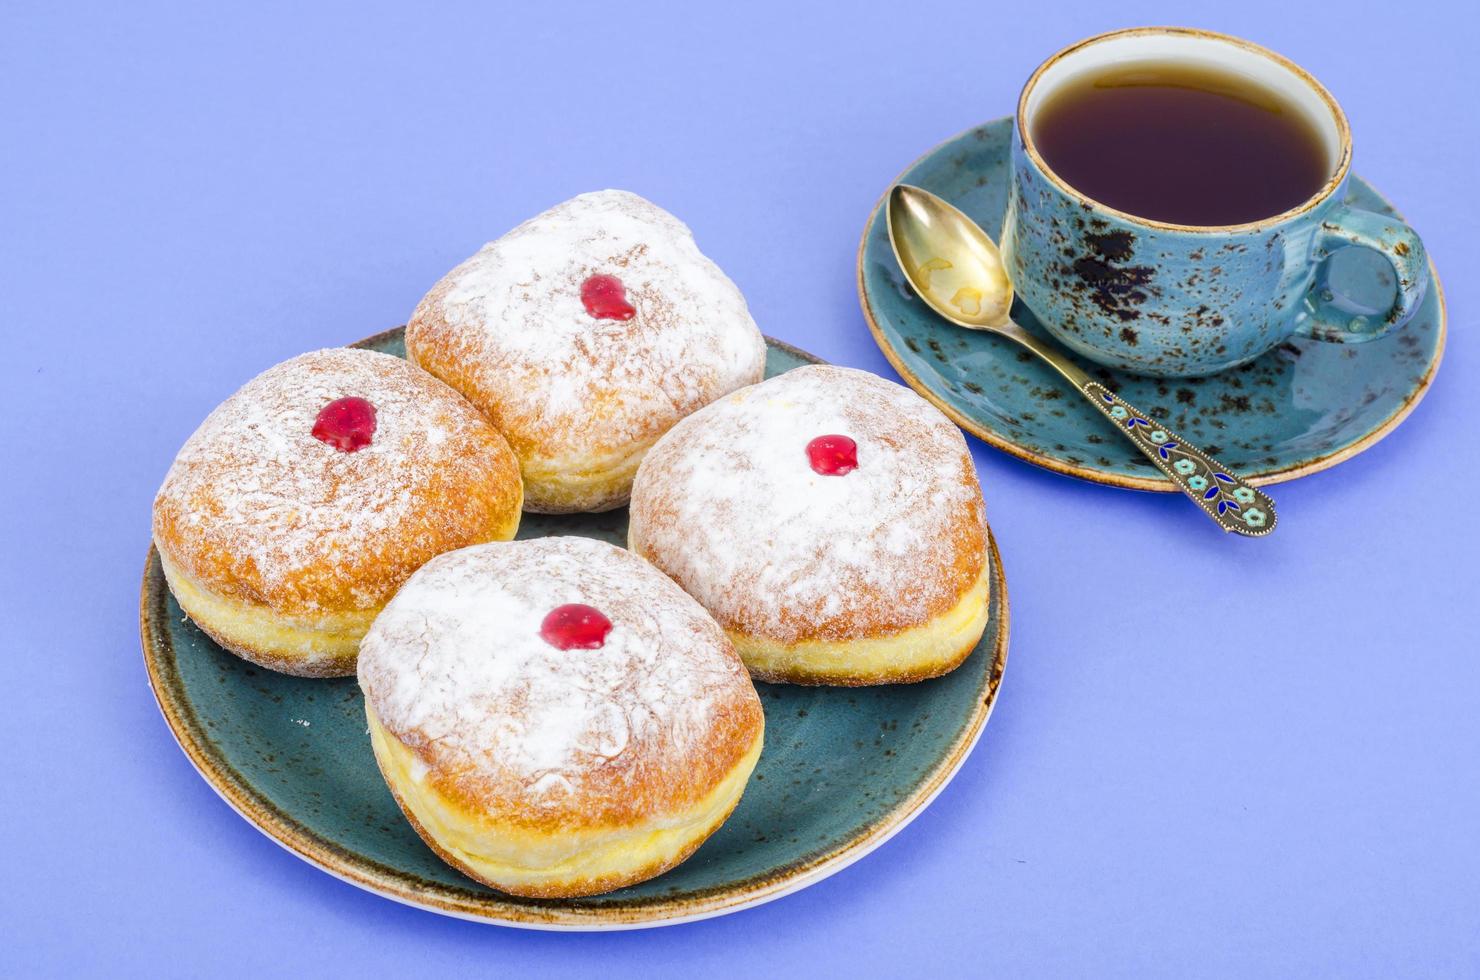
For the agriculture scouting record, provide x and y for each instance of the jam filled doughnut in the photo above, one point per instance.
(585, 334)
(304, 500)
(830, 521)
(555, 717)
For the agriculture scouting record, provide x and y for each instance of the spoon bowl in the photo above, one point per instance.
(969, 284)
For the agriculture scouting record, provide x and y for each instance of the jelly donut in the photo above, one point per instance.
(585, 334)
(304, 500)
(555, 717)
(830, 521)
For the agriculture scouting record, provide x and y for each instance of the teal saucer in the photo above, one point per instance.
(841, 772)
(1301, 408)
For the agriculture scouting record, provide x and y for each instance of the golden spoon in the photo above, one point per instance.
(956, 269)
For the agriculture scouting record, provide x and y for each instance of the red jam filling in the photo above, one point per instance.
(575, 626)
(833, 455)
(606, 298)
(347, 424)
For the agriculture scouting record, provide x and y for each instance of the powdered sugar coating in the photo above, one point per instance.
(256, 507)
(729, 506)
(508, 329)
(646, 724)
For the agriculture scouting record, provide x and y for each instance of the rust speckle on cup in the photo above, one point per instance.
(1102, 276)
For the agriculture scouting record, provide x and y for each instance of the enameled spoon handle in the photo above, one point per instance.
(1232, 503)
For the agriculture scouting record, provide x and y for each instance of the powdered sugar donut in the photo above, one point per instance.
(304, 500)
(555, 717)
(585, 334)
(830, 521)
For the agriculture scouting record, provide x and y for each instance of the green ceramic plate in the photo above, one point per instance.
(842, 771)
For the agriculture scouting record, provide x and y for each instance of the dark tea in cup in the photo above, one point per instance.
(1183, 143)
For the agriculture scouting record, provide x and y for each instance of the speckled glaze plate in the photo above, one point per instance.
(842, 771)
(1301, 408)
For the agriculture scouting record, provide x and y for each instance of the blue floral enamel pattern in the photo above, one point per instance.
(1234, 505)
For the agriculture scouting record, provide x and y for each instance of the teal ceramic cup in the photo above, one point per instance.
(1151, 297)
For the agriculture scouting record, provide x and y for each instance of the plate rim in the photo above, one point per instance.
(385, 881)
(1157, 484)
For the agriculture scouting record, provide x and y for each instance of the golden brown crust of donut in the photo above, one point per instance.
(325, 646)
(807, 678)
(624, 794)
(573, 393)
(452, 356)
(931, 649)
(666, 765)
(375, 517)
(469, 514)
(574, 887)
(668, 522)
(342, 665)
(466, 358)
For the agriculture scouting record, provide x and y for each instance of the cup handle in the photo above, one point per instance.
(1344, 227)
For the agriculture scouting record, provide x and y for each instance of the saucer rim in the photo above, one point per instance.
(1157, 484)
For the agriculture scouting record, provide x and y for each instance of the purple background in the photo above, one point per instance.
(1210, 755)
